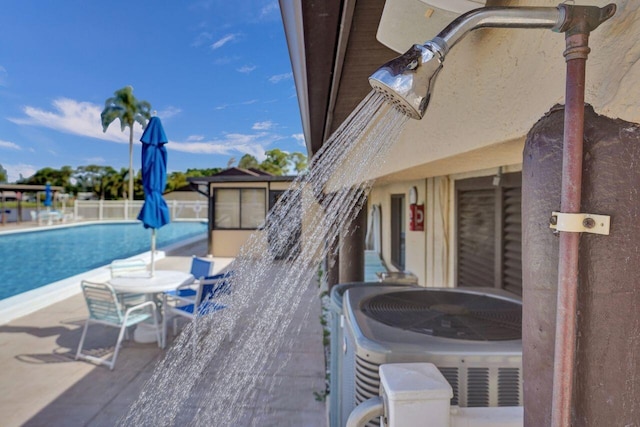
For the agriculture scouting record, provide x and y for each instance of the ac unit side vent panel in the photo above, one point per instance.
(478, 387)
(451, 375)
(508, 387)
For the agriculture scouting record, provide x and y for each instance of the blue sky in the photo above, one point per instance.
(216, 71)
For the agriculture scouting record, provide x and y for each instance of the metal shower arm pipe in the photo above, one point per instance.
(501, 17)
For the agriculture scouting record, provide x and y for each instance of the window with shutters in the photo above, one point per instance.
(489, 232)
(398, 231)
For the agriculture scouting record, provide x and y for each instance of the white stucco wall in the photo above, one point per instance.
(430, 254)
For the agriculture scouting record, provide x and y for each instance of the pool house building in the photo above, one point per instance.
(239, 201)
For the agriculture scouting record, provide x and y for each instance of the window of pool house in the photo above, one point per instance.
(239, 208)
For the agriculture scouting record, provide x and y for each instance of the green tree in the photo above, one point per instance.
(115, 184)
(176, 180)
(196, 173)
(3, 174)
(124, 106)
(96, 179)
(299, 161)
(248, 162)
(58, 177)
(276, 163)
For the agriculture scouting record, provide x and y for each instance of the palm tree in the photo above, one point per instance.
(128, 109)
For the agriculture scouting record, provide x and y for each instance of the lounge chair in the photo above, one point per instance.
(105, 309)
(202, 303)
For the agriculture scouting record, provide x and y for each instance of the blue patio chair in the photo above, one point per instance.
(105, 309)
(202, 303)
(200, 267)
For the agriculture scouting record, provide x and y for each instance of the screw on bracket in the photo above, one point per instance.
(589, 223)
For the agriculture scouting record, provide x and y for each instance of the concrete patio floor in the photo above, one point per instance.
(43, 385)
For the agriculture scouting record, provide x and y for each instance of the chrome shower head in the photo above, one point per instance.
(406, 82)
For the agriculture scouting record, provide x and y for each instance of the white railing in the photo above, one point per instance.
(128, 210)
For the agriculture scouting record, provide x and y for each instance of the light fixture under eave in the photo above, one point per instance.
(405, 21)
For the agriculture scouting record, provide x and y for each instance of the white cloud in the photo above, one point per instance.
(202, 38)
(269, 9)
(77, 118)
(266, 125)
(224, 60)
(225, 106)
(195, 138)
(224, 40)
(15, 171)
(246, 69)
(253, 144)
(169, 112)
(280, 77)
(299, 137)
(9, 145)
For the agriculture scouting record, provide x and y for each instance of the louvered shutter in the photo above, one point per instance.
(512, 241)
(476, 237)
(489, 233)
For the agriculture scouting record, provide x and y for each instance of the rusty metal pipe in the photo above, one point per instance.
(580, 22)
(563, 375)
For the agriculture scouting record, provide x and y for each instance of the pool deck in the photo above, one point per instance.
(44, 386)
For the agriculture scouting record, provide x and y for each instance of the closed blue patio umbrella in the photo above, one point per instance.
(47, 195)
(154, 213)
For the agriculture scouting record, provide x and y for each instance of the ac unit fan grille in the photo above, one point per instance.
(446, 314)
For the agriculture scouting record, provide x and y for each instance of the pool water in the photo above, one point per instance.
(29, 260)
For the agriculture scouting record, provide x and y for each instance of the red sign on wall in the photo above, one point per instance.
(416, 217)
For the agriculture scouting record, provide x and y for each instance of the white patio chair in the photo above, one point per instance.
(105, 309)
(125, 267)
(129, 267)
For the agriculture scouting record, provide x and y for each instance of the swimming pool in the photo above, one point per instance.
(31, 259)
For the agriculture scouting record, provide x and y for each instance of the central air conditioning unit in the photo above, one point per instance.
(473, 336)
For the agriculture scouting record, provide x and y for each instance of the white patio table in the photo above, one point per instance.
(144, 283)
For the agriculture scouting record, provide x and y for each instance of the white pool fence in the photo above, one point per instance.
(128, 210)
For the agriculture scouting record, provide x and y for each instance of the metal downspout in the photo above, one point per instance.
(581, 21)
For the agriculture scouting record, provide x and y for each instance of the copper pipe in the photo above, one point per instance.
(563, 375)
(580, 22)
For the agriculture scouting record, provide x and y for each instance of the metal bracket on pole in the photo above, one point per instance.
(580, 223)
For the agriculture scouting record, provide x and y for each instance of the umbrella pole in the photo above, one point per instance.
(153, 250)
